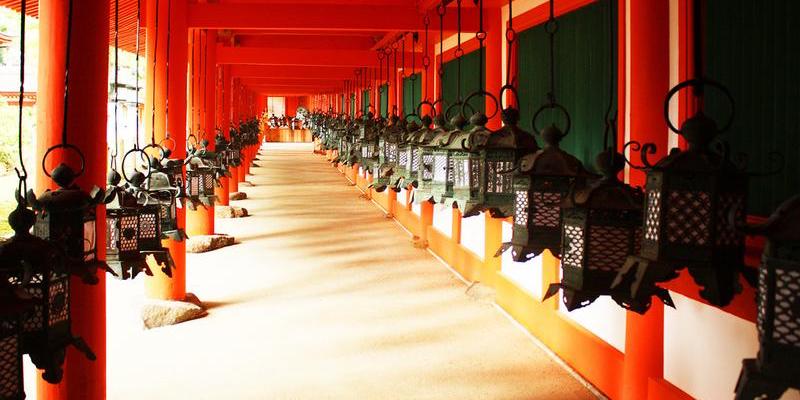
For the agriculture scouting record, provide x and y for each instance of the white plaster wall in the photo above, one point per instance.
(415, 208)
(704, 347)
(527, 275)
(473, 234)
(604, 318)
(443, 219)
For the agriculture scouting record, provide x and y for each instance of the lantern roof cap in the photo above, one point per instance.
(511, 136)
(552, 161)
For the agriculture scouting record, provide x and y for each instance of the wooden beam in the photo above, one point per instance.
(280, 56)
(346, 17)
(289, 72)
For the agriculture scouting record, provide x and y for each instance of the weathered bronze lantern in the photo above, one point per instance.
(405, 172)
(11, 373)
(778, 303)
(46, 326)
(122, 231)
(689, 195)
(427, 172)
(384, 171)
(67, 216)
(602, 225)
(417, 144)
(200, 181)
(540, 185)
(448, 145)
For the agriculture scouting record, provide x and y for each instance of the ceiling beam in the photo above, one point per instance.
(290, 72)
(279, 56)
(287, 16)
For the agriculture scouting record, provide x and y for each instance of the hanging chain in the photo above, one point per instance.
(155, 59)
(511, 38)
(551, 27)
(426, 60)
(116, 86)
(66, 76)
(611, 114)
(481, 36)
(394, 79)
(204, 69)
(441, 10)
(138, 31)
(22, 173)
(459, 52)
(166, 81)
(413, 78)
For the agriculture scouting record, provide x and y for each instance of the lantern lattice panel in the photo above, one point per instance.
(208, 182)
(147, 226)
(521, 208)
(574, 246)
(762, 300)
(653, 222)
(786, 328)
(498, 182)
(475, 174)
(9, 365)
(440, 167)
(34, 318)
(415, 159)
(726, 234)
(461, 173)
(450, 168)
(391, 152)
(402, 159)
(58, 300)
(688, 214)
(194, 183)
(548, 209)
(128, 227)
(427, 167)
(610, 247)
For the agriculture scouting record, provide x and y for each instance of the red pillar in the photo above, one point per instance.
(648, 83)
(493, 24)
(86, 129)
(200, 221)
(160, 286)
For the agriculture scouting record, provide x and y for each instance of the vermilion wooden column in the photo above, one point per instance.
(648, 82)
(228, 112)
(86, 129)
(493, 25)
(160, 286)
(200, 221)
(222, 193)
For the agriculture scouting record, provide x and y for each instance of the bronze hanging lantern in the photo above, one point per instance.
(429, 171)
(122, 229)
(200, 179)
(67, 216)
(602, 225)
(447, 145)
(384, 171)
(418, 142)
(11, 372)
(543, 179)
(778, 304)
(689, 195)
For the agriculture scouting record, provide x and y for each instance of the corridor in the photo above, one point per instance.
(322, 298)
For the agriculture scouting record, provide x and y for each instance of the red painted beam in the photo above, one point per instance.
(290, 72)
(308, 42)
(288, 56)
(290, 81)
(347, 17)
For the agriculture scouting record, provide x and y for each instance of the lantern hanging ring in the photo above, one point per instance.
(141, 153)
(457, 104)
(695, 84)
(643, 149)
(484, 94)
(65, 146)
(429, 104)
(554, 106)
(511, 88)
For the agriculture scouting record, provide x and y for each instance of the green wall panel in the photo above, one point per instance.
(470, 69)
(752, 47)
(582, 77)
(409, 103)
(384, 101)
(365, 101)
